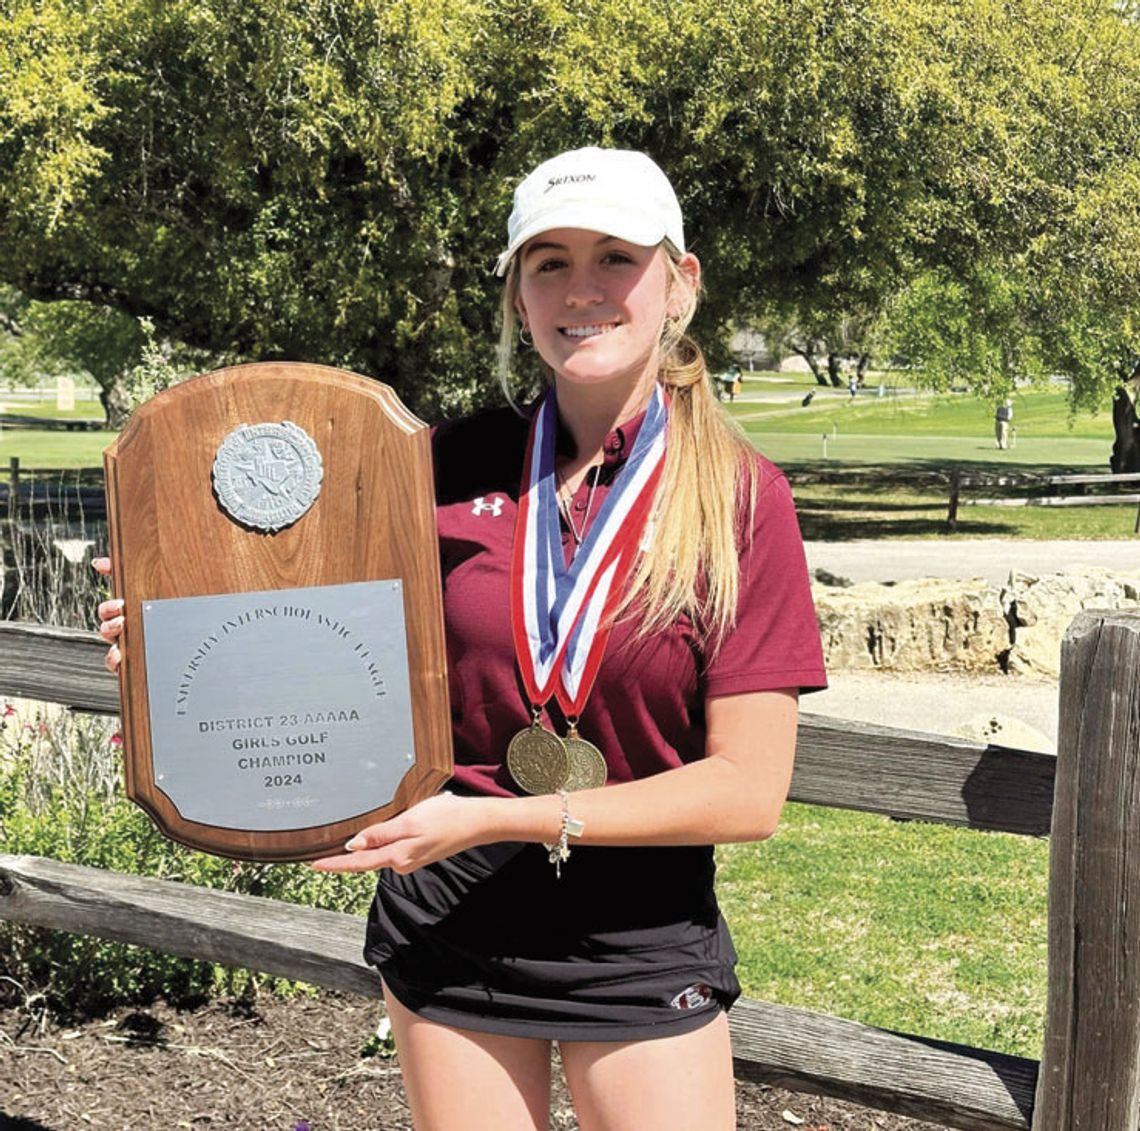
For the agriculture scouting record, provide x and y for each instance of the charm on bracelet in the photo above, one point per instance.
(559, 852)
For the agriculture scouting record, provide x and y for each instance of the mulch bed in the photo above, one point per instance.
(273, 1065)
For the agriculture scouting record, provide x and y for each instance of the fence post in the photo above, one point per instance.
(1090, 1065)
(13, 486)
(955, 489)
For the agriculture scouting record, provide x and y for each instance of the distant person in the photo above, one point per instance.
(1002, 417)
(853, 385)
(1126, 426)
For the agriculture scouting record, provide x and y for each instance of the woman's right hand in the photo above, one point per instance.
(110, 620)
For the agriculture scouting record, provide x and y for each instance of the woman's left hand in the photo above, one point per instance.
(430, 830)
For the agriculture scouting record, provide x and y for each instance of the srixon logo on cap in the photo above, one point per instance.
(569, 179)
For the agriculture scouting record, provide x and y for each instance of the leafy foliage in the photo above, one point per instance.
(123, 354)
(329, 181)
(61, 797)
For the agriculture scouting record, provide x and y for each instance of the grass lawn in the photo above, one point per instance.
(36, 449)
(89, 409)
(921, 432)
(1038, 413)
(924, 928)
(924, 430)
(943, 431)
(921, 451)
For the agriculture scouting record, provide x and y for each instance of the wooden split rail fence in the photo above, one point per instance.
(1087, 799)
(78, 492)
(961, 481)
(64, 494)
(987, 488)
(50, 423)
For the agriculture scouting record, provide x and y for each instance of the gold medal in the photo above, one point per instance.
(587, 765)
(537, 760)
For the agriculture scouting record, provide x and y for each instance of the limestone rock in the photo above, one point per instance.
(915, 625)
(1040, 609)
(970, 626)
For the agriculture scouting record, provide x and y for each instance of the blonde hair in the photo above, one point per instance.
(706, 497)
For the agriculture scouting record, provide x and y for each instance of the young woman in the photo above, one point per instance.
(629, 625)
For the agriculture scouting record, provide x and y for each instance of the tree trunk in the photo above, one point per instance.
(116, 402)
(833, 373)
(808, 354)
(861, 366)
(1126, 424)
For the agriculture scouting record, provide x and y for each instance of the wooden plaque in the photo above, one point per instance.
(272, 531)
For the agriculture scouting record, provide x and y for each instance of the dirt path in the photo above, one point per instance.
(275, 1066)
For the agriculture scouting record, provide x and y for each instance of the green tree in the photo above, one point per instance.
(270, 180)
(977, 141)
(329, 181)
(123, 355)
(1055, 288)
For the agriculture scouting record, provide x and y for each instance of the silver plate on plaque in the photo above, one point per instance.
(266, 476)
(282, 709)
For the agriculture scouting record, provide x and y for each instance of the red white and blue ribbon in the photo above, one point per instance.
(561, 614)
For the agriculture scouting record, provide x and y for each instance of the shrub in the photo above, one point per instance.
(61, 797)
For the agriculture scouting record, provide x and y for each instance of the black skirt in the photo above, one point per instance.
(629, 944)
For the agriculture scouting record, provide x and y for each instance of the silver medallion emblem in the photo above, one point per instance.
(266, 476)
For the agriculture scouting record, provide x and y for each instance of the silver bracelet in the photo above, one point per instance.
(571, 827)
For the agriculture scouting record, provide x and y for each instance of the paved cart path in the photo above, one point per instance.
(991, 558)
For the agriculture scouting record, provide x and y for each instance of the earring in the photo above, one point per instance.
(524, 337)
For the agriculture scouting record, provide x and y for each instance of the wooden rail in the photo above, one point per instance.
(80, 492)
(843, 764)
(793, 1048)
(958, 481)
(68, 493)
(83, 487)
(1089, 1076)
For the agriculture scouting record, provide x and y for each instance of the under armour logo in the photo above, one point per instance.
(495, 506)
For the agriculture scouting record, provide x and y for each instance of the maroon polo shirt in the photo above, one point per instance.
(646, 710)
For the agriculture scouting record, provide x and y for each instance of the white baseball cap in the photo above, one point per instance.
(617, 192)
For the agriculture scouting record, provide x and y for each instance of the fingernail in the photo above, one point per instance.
(353, 845)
